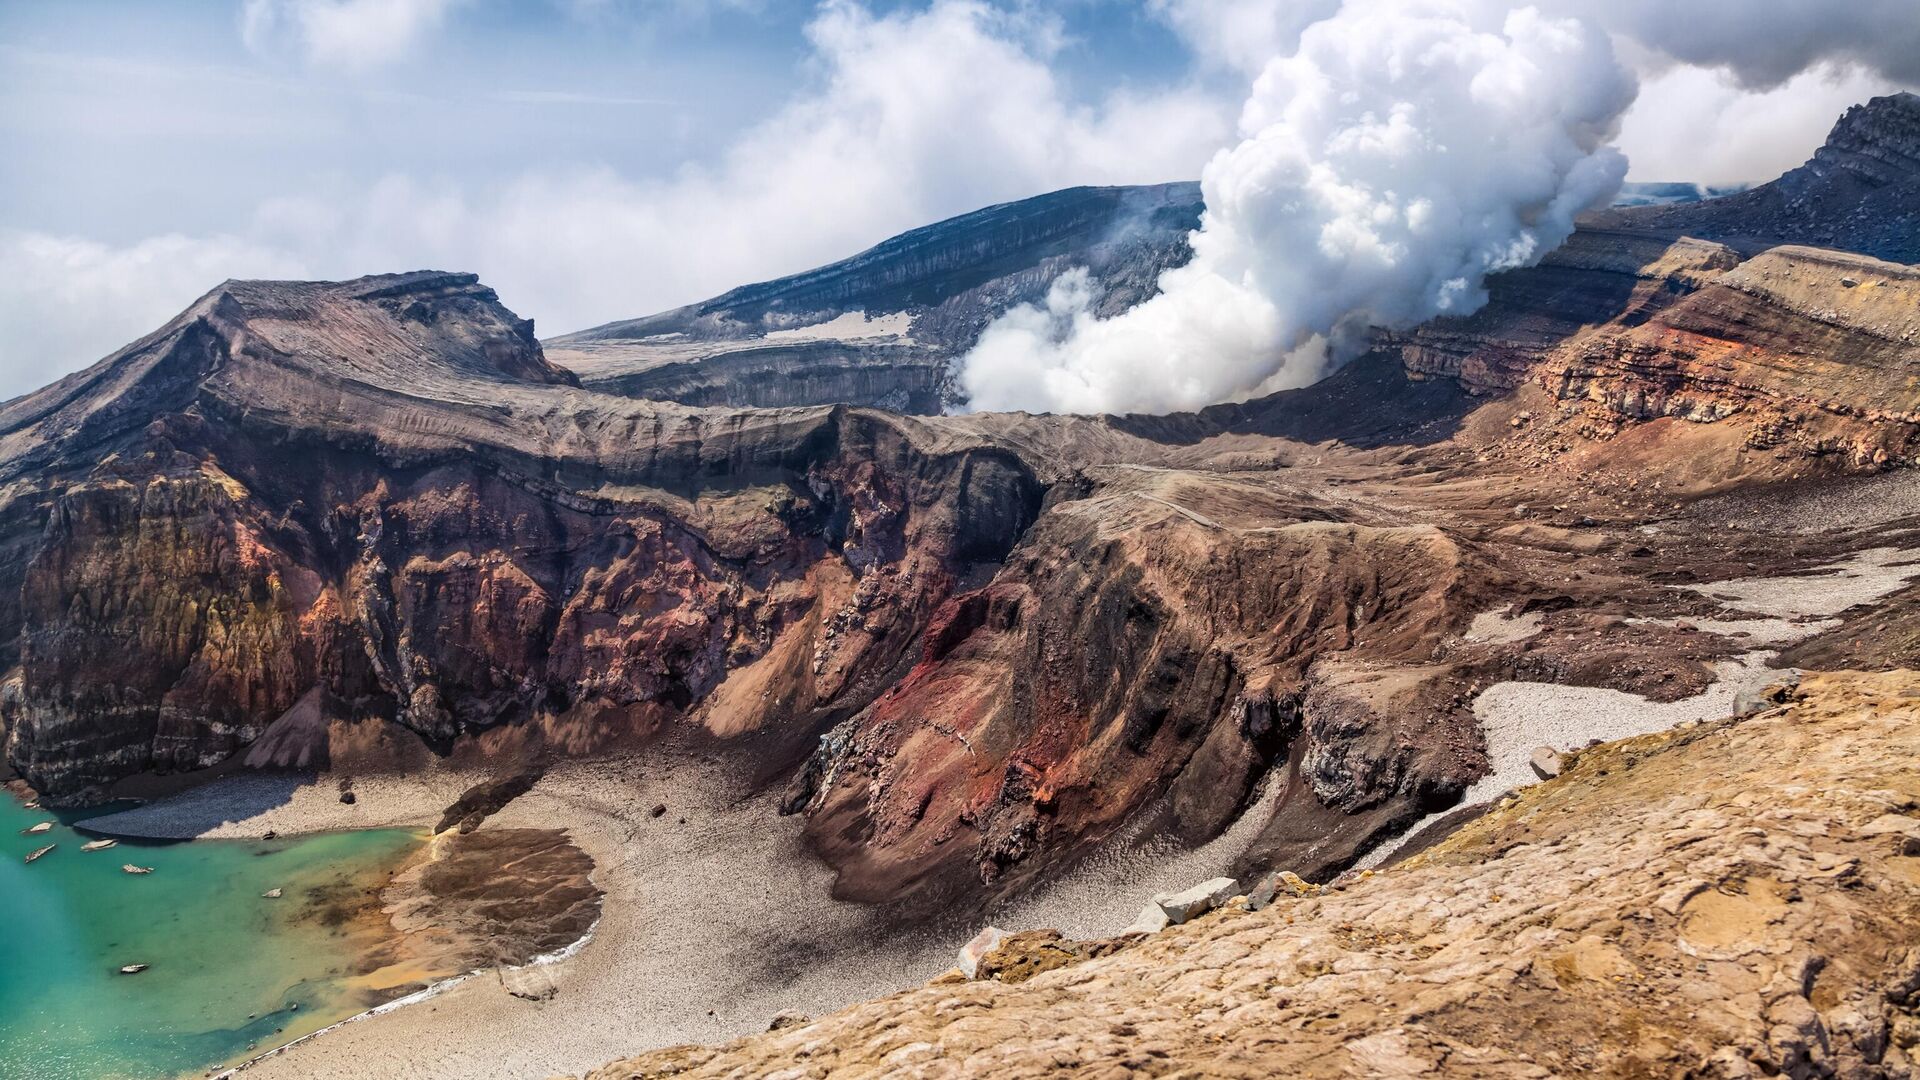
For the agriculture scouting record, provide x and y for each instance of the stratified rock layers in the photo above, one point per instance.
(296, 522)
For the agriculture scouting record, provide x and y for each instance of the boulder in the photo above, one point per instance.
(1152, 920)
(1546, 762)
(974, 951)
(1288, 883)
(530, 982)
(1280, 885)
(1262, 893)
(789, 1018)
(1021, 956)
(1197, 901)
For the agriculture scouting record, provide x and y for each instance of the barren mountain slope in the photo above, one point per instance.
(878, 328)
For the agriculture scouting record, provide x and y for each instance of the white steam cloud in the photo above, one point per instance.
(1405, 151)
(1396, 152)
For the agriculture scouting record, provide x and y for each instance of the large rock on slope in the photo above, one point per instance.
(1739, 899)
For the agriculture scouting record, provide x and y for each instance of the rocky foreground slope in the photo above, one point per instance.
(1731, 899)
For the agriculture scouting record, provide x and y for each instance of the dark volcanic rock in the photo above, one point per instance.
(379, 489)
(482, 801)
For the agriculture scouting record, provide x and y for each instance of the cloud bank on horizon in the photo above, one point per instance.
(1392, 155)
(937, 107)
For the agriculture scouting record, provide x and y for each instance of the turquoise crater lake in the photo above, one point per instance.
(230, 972)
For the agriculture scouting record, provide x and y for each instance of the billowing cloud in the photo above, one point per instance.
(1404, 152)
(1396, 152)
(1242, 34)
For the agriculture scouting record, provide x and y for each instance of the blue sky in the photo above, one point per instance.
(126, 116)
(600, 159)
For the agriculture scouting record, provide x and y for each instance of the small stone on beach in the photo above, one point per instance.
(789, 1018)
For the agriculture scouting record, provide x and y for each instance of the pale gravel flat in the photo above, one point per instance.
(1517, 717)
(1501, 627)
(249, 805)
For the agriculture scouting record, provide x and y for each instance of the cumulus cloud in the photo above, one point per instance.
(1405, 151)
(913, 117)
(350, 34)
(67, 299)
(1242, 34)
(1700, 124)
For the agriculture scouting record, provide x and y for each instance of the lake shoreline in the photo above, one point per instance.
(236, 942)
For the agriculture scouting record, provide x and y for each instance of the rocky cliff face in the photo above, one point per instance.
(327, 522)
(377, 499)
(1860, 192)
(1718, 311)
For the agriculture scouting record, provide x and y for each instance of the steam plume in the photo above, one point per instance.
(1393, 154)
(1404, 152)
